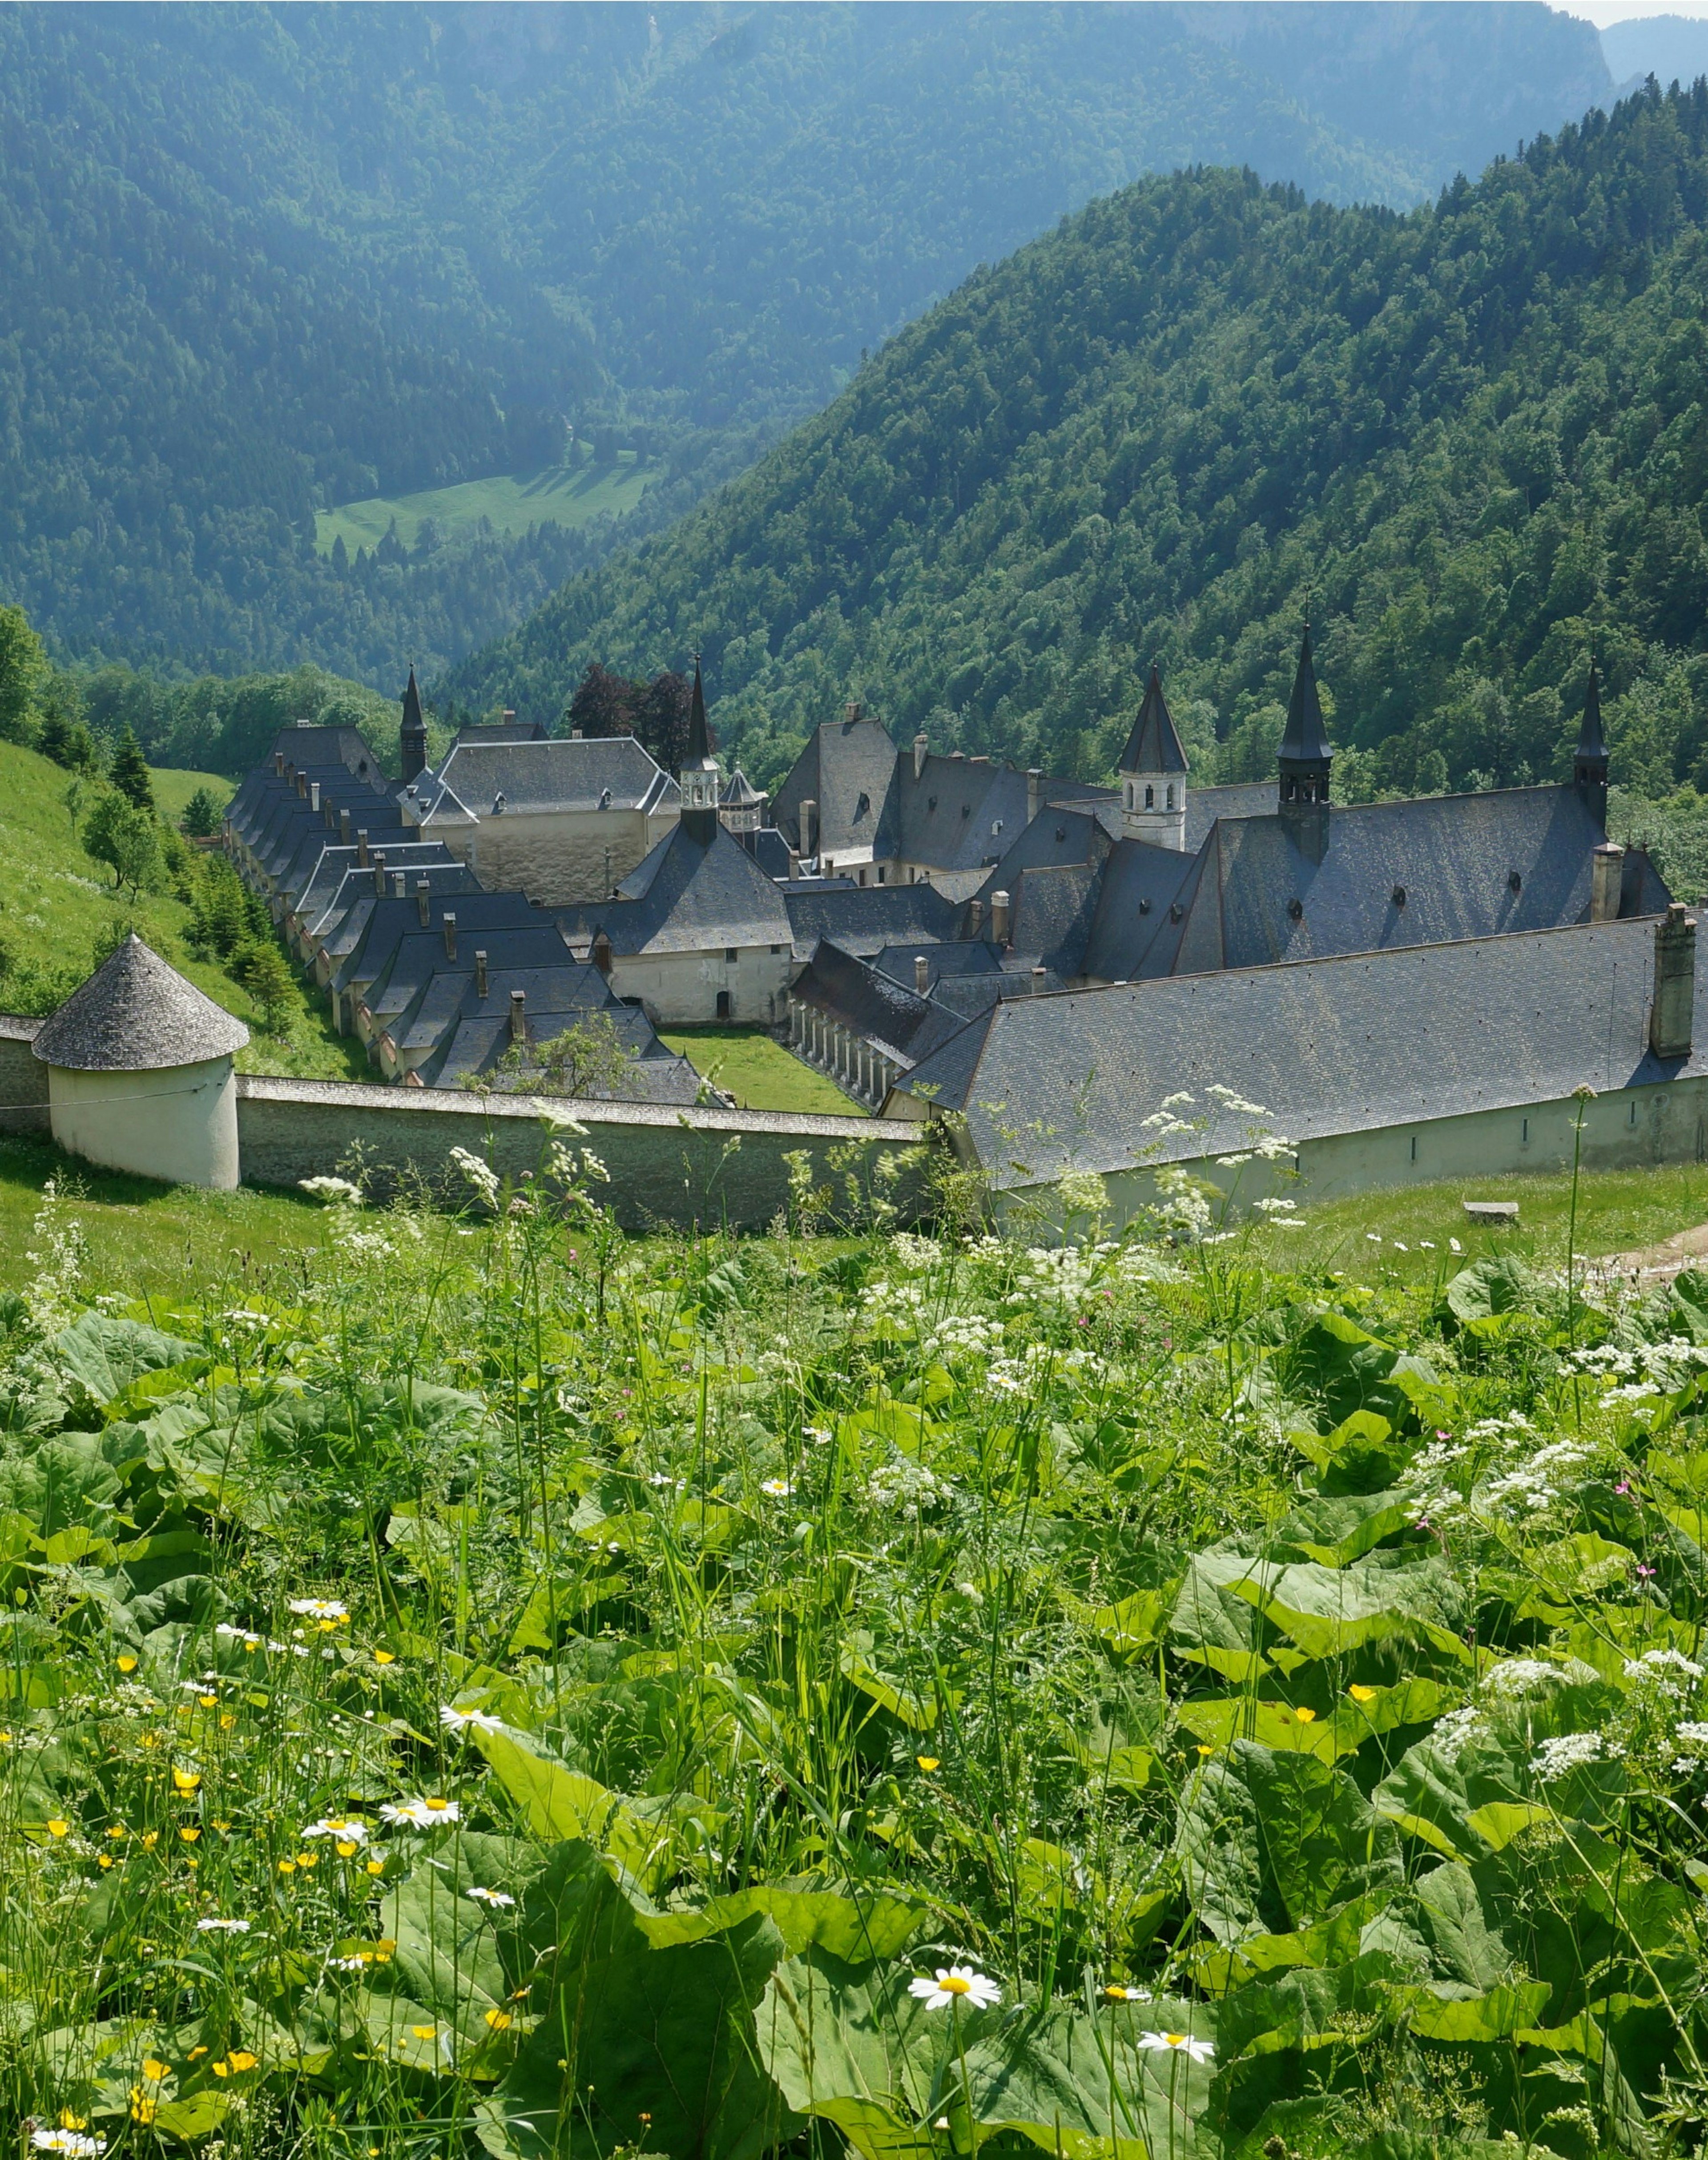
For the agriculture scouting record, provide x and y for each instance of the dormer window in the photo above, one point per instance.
(861, 807)
(930, 802)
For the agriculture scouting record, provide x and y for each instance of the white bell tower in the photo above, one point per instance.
(1153, 775)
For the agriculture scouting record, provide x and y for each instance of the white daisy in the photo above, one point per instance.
(464, 1721)
(320, 1608)
(421, 1814)
(490, 1896)
(340, 1827)
(77, 2141)
(954, 1982)
(1183, 2043)
(778, 1487)
(212, 1927)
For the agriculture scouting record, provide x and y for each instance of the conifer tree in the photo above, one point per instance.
(130, 772)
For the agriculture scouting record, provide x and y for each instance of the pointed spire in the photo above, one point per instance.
(1154, 744)
(412, 734)
(1305, 741)
(700, 739)
(1592, 743)
(1590, 767)
(697, 777)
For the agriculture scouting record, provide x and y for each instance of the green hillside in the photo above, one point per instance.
(61, 916)
(1471, 439)
(263, 262)
(510, 503)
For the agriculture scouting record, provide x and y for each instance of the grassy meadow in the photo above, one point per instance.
(61, 913)
(478, 1685)
(571, 494)
(758, 1072)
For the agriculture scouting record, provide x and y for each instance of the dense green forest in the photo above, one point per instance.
(1473, 439)
(263, 261)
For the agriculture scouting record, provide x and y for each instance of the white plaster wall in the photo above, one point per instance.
(178, 1124)
(1627, 1128)
(680, 989)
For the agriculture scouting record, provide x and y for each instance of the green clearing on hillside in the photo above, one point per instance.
(571, 496)
(62, 912)
(758, 1073)
(499, 1690)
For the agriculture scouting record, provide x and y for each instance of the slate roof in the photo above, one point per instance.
(768, 849)
(1133, 929)
(136, 1013)
(890, 1015)
(557, 998)
(1453, 857)
(501, 731)
(328, 888)
(960, 813)
(1364, 1041)
(418, 959)
(686, 895)
(360, 959)
(1304, 739)
(1154, 745)
(844, 761)
(865, 919)
(561, 773)
(1051, 911)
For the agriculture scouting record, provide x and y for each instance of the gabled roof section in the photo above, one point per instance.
(1154, 745)
(557, 774)
(863, 919)
(135, 1014)
(1140, 887)
(846, 761)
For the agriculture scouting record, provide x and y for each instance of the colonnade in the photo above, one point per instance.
(853, 1063)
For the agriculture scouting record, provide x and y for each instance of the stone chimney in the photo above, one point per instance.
(450, 939)
(1037, 980)
(975, 919)
(399, 884)
(315, 796)
(423, 899)
(922, 748)
(809, 827)
(851, 712)
(344, 827)
(921, 974)
(361, 848)
(302, 786)
(1035, 791)
(278, 765)
(480, 974)
(380, 873)
(575, 735)
(999, 917)
(1607, 865)
(518, 1015)
(1669, 1019)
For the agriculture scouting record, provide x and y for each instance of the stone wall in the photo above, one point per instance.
(666, 1165)
(24, 1081)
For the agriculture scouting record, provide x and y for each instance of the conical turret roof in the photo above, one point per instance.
(1305, 741)
(135, 1014)
(1154, 745)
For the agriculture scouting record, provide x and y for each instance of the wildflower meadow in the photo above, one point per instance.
(488, 1686)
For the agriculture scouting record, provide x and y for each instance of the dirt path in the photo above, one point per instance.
(1656, 1263)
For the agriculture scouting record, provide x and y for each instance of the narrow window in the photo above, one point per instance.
(1633, 1109)
(1525, 1135)
(1414, 1147)
(1170, 799)
(1150, 798)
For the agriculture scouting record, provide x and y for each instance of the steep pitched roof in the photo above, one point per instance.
(1134, 923)
(846, 768)
(1591, 742)
(1154, 745)
(1453, 859)
(1361, 1043)
(890, 1015)
(688, 895)
(135, 1014)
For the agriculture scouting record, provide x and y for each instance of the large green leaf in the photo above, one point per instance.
(105, 1355)
(1269, 1842)
(626, 2031)
(558, 1802)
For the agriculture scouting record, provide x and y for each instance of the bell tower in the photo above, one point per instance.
(1153, 774)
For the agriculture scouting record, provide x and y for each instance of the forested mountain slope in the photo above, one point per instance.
(1473, 439)
(260, 260)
